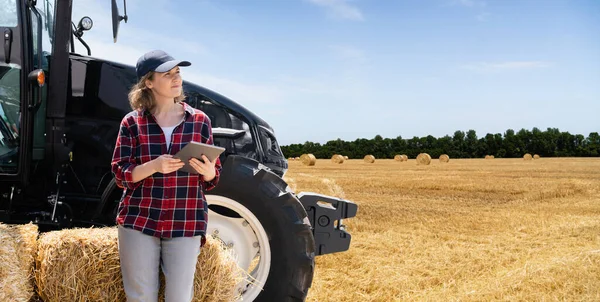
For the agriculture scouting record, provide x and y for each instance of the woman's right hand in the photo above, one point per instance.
(166, 164)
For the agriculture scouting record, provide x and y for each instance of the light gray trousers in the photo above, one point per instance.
(141, 255)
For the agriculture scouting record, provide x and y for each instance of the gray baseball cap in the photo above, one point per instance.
(158, 61)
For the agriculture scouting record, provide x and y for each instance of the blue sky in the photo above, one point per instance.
(318, 70)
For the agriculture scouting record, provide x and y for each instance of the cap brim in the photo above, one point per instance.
(166, 66)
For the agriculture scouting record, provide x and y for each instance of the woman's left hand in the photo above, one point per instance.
(206, 168)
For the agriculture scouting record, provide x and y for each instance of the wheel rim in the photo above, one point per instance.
(247, 239)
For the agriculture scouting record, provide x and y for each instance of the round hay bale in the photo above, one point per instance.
(345, 157)
(398, 157)
(527, 156)
(423, 159)
(17, 250)
(308, 159)
(297, 158)
(83, 265)
(337, 159)
(444, 158)
(489, 157)
(404, 157)
(369, 159)
(535, 156)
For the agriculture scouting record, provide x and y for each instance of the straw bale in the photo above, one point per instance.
(423, 159)
(17, 247)
(337, 159)
(308, 159)
(489, 157)
(369, 159)
(444, 158)
(345, 157)
(398, 157)
(404, 157)
(527, 156)
(536, 156)
(79, 265)
(83, 265)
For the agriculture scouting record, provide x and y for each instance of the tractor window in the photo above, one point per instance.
(46, 10)
(270, 143)
(9, 117)
(8, 13)
(222, 118)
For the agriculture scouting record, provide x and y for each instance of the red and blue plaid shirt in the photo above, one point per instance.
(161, 205)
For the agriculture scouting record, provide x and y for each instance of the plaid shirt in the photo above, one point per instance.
(161, 205)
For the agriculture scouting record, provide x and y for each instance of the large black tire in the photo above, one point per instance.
(283, 218)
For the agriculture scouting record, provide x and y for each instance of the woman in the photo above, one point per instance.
(162, 216)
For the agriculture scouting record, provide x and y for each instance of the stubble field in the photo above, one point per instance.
(470, 229)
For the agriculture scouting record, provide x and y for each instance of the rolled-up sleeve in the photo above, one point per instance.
(207, 134)
(123, 160)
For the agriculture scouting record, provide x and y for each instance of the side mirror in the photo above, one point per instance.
(116, 18)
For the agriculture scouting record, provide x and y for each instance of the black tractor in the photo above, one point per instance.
(59, 117)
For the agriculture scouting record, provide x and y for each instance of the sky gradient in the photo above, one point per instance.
(318, 70)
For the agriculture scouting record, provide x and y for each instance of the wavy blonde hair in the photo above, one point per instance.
(141, 97)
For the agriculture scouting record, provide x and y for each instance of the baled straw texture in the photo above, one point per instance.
(404, 157)
(345, 157)
(83, 265)
(527, 156)
(79, 265)
(423, 159)
(369, 159)
(17, 249)
(308, 159)
(337, 159)
(535, 156)
(398, 157)
(489, 157)
(444, 158)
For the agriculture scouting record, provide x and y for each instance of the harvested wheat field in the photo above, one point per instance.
(469, 230)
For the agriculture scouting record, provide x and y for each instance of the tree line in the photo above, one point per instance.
(549, 143)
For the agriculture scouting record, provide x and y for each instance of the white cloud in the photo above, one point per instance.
(505, 66)
(340, 9)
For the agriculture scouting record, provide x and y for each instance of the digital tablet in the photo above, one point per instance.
(196, 150)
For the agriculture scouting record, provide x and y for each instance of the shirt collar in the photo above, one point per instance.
(188, 109)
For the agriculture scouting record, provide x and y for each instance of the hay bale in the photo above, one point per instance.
(423, 159)
(345, 157)
(489, 157)
(444, 158)
(404, 157)
(527, 156)
(17, 249)
(398, 157)
(535, 156)
(83, 265)
(308, 159)
(369, 159)
(337, 159)
(78, 265)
